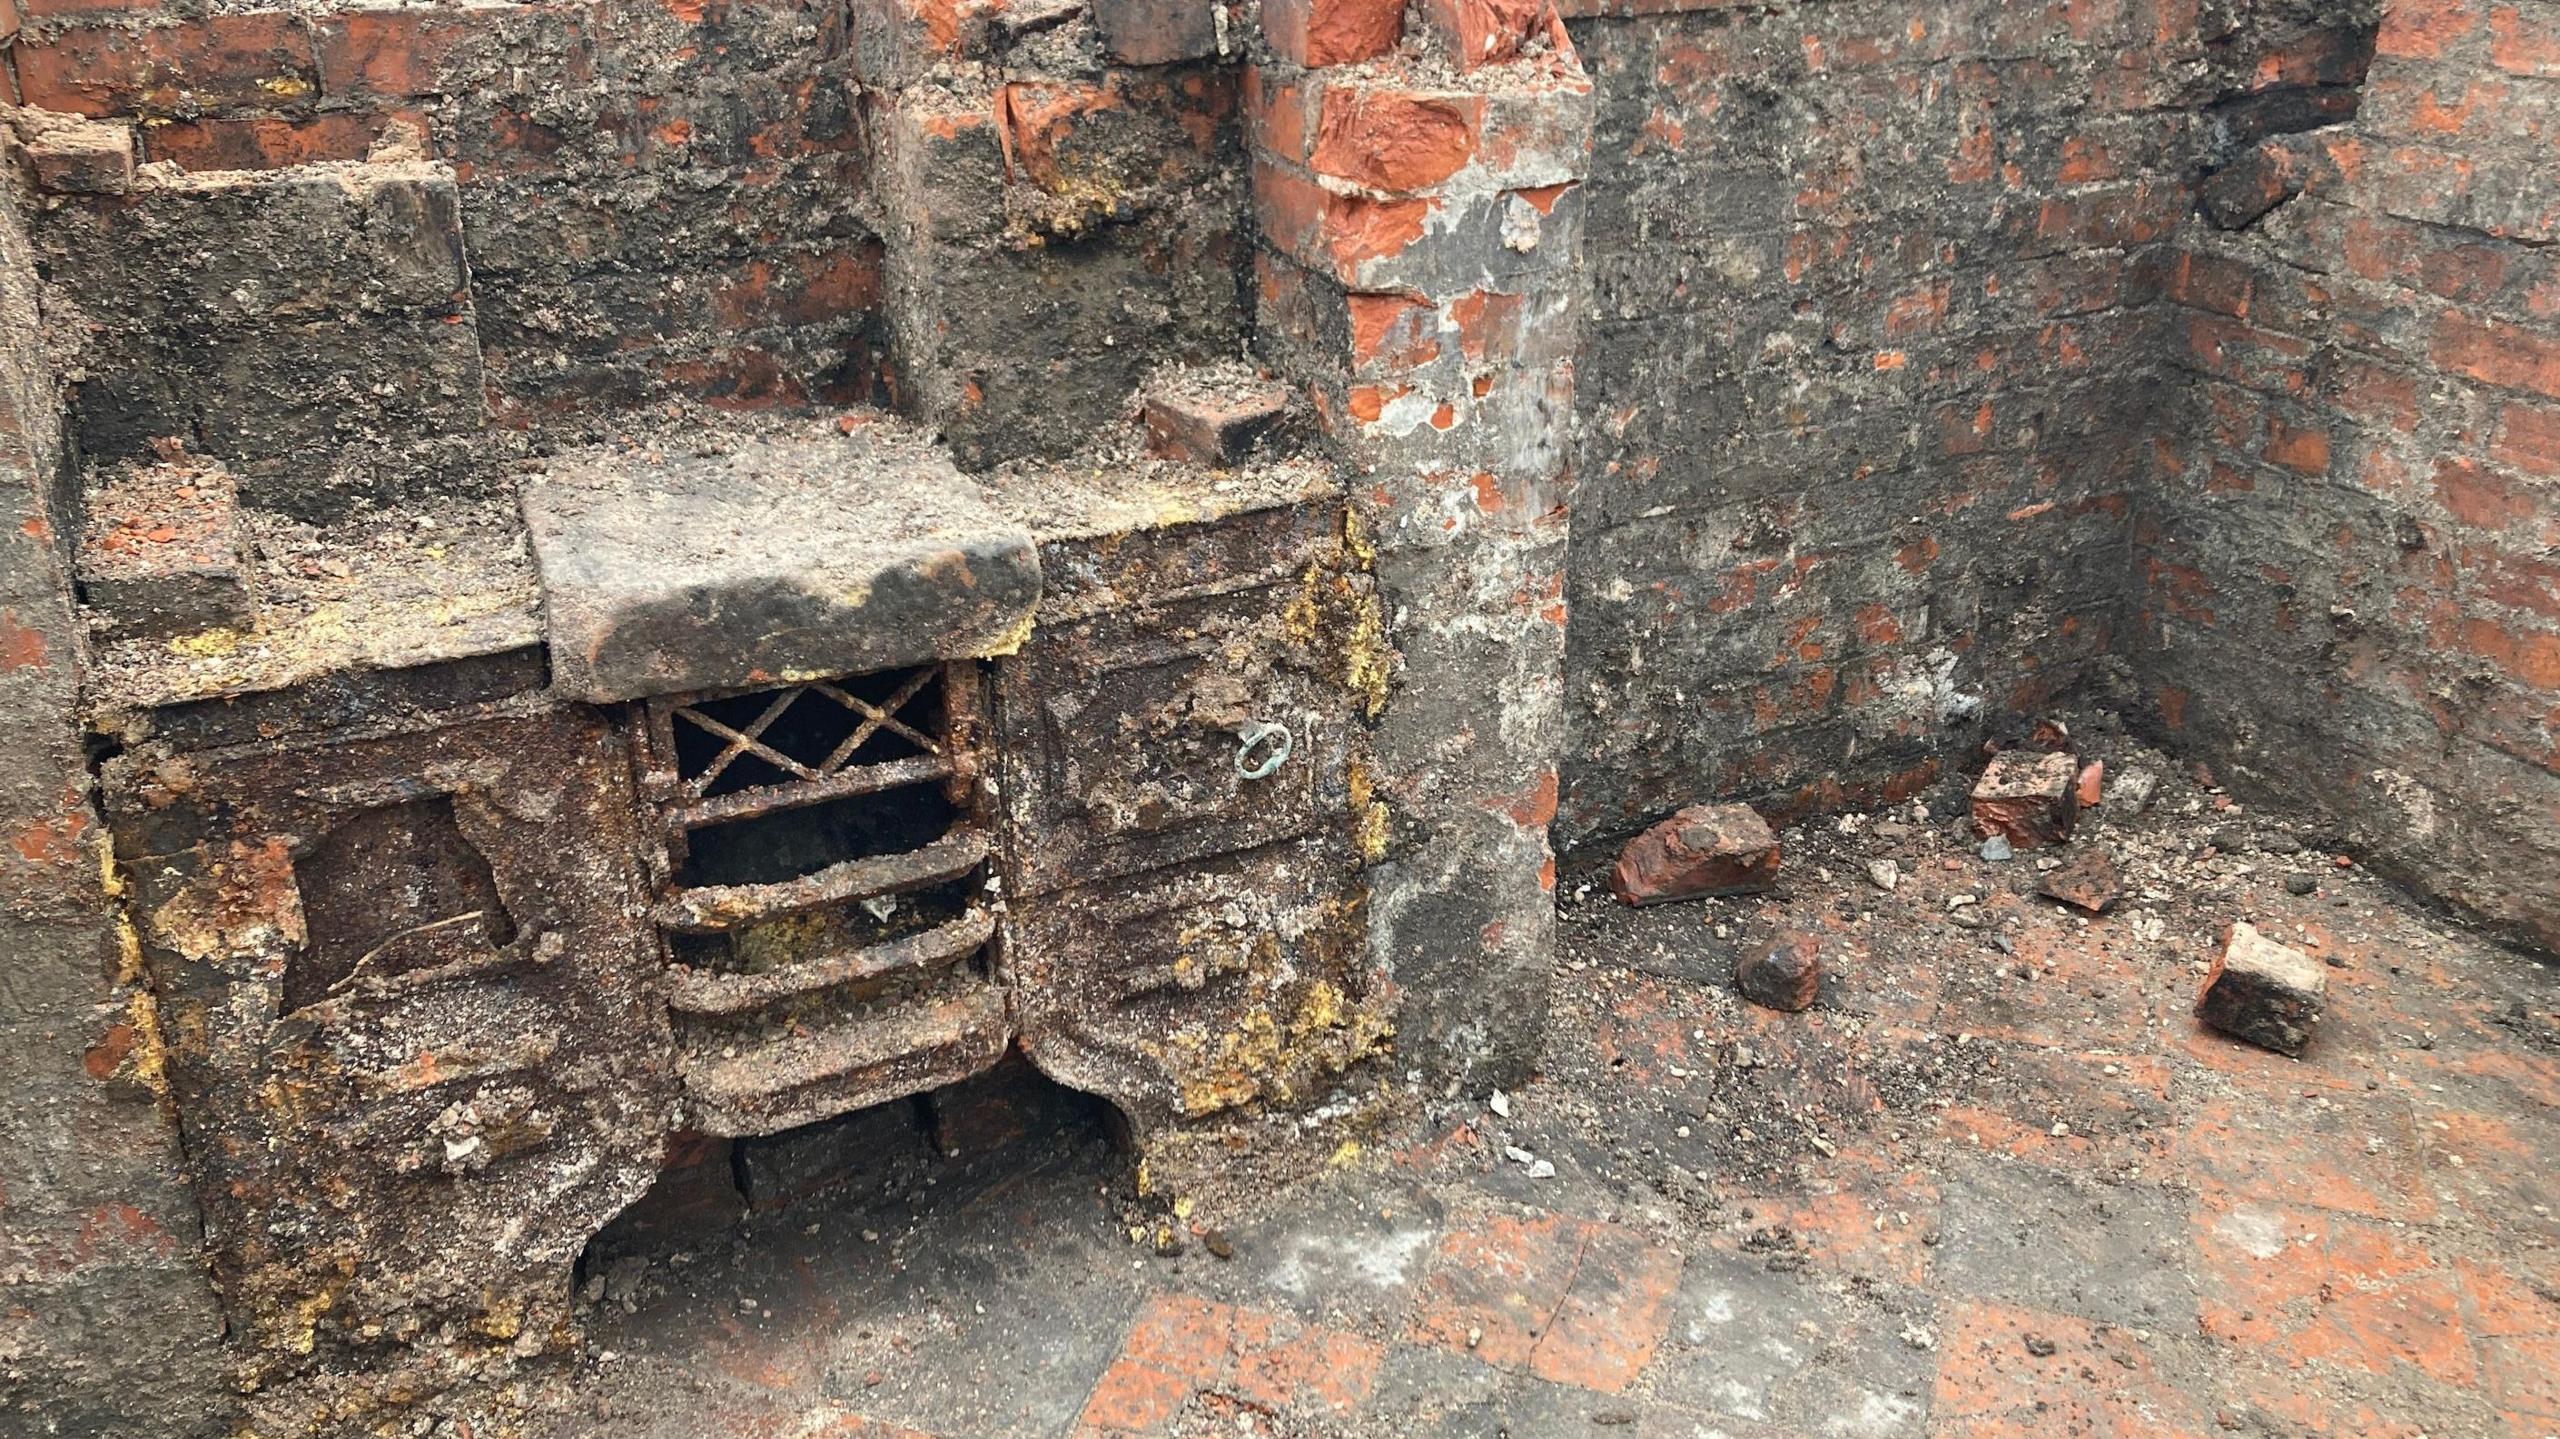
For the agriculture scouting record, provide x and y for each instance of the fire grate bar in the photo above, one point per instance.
(703, 992)
(717, 909)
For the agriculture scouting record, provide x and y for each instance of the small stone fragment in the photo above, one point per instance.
(2027, 797)
(1706, 849)
(2133, 791)
(1885, 874)
(1785, 975)
(2088, 880)
(1998, 850)
(1217, 1243)
(2267, 993)
(2300, 884)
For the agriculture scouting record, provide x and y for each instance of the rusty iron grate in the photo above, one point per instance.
(829, 727)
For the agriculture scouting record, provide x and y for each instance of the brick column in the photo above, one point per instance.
(107, 1322)
(1420, 211)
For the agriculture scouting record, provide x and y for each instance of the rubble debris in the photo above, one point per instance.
(2092, 788)
(1212, 419)
(2267, 993)
(1885, 874)
(2133, 791)
(2027, 797)
(160, 552)
(2088, 880)
(1704, 850)
(1785, 975)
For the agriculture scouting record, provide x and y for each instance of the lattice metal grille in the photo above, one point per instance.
(806, 732)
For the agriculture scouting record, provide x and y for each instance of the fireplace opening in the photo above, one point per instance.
(737, 1205)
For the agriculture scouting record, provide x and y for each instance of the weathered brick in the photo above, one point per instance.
(1212, 419)
(2027, 797)
(1332, 32)
(1157, 32)
(256, 60)
(1783, 974)
(1705, 849)
(83, 159)
(160, 554)
(2267, 993)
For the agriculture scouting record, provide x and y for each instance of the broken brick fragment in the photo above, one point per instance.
(1784, 975)
(1704, 850)
(1213, 424)
(82, 157)
(2029, 798)
(2087, 881)
(2267, 993)
(160, 553)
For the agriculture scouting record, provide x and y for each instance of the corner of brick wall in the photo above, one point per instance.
(2347, 589)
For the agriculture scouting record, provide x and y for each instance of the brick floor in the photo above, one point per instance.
(1998, 1183)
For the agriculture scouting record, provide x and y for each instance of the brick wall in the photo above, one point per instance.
(1864, 378)
(659, 198)
(2348, 584)
(107, 1324)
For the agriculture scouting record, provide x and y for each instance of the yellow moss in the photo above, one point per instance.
(208, 644)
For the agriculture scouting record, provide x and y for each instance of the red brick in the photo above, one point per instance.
(1393, 140)
(84, 9)
(1182, 1347)
(2528, 438)
(261, 60)
(2421, 29)
(2525, 45)
(1486, 32)
(1567, 1300)
(270, 142)
(2480, 496)
(2302, 451)
(2499, 353)
(1705, 849)
(1332, 32)
(390, 53)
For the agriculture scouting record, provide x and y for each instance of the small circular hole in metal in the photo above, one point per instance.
(1262, 735)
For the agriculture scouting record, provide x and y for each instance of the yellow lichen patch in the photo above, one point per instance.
(1369, 817)
(208, 644)
(147, 1062)
(1344, 1155)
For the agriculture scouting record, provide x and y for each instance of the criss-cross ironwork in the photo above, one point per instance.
(741, 742)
